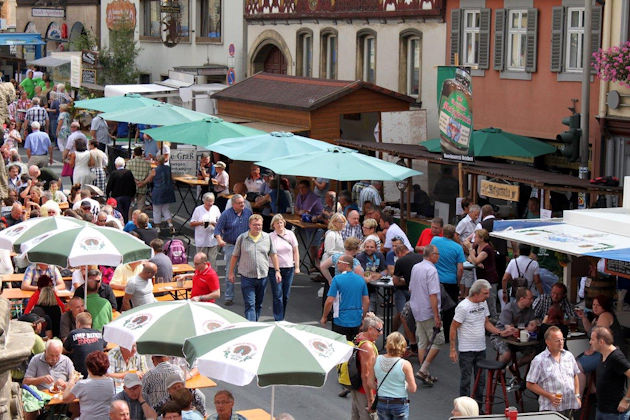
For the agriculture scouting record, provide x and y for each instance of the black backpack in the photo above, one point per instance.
(520, 281)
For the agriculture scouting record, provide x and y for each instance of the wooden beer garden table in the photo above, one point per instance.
(304, 237)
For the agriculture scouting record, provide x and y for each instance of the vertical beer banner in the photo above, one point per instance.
(455, 111)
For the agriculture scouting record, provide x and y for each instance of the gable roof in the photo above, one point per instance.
(301, 93)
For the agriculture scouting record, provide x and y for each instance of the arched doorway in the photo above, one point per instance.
(271, 60)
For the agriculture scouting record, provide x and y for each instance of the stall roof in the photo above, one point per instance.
(20, 38)
(49, 62)
(120, 90)
(510, 172)
(301, 93)
(261, 125)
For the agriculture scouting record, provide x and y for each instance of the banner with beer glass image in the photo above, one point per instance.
(455, 112)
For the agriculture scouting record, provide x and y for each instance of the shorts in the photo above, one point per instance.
(407, 315)
(468, 278)
(424, 332)
(401, 297)
(499, 345)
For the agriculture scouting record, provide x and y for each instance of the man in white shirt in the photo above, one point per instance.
(465, 231)
(204, 219)
(139, 289)
(392, 231)
(468, 332)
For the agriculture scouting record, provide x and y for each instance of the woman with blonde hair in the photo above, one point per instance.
(63, 126)
(394, 376)
(333, 241)
(465, 407)
(369, 232)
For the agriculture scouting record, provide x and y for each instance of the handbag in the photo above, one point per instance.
(67, 170)
(375, 402)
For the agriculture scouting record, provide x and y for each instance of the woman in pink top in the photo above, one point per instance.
(288, 253)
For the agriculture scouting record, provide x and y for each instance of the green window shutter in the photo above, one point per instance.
(531, 52)
(557, 38)
(596, 32)
(484, 38)
(499, 39)
(456, 38)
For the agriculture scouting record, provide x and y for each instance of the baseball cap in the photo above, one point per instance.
(31, 318)
(172, 380)
(131, 379)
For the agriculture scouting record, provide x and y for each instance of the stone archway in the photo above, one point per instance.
(270, 54)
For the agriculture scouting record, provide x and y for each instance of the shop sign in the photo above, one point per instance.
(120, 14)
(183, 159)
(48, 12)
(89, 58)
(499, 190)
(617, 268)
(455, 111)
(170, 11)
(88, 76)
(75, 71)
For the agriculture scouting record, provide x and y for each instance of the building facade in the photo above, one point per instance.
(393, 44)
(527, 66)
(614, 105)
(204, 37)
(59, 23)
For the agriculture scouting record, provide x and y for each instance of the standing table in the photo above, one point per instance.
(302, 235)
(186, 187)
(385, 289)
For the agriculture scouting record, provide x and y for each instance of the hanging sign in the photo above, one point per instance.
(120, 14)
(170, 11)
(499, 190)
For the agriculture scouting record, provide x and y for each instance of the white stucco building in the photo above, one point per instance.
(207, 29)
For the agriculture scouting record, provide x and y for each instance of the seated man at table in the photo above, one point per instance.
(224, 404)
(123, 273)
(139, 289)
(154, 380)
(205, 280)
(50, 368)
(123, 361)
(373, 264)
(34, 271)
(175, 382)
(83, 341)
(132, 394)
(307, 202)
(514, 314)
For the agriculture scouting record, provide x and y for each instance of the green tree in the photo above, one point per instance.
(87, 41)
(119, 60)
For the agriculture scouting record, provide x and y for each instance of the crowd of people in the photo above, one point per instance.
(451, 287)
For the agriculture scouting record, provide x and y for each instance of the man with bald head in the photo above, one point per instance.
(50, 368)
(119, 410)
(139, 289)
(353, 226)
(39, 149)
(75, 134)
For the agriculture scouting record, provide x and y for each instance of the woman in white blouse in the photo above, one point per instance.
(286, 245)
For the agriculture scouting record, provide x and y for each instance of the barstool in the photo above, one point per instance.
(496, 372)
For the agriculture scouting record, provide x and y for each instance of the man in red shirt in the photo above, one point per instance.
(428, 234)
(205, 286)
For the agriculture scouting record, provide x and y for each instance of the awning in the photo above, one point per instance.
(8, 38)
(174, 83)
(49, 62)
(262, 125)
(120, 90)
(563, 237)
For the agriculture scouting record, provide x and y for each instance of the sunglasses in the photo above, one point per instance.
(380, 330)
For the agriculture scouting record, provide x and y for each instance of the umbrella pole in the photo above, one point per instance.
(273, 397)
(85, 280)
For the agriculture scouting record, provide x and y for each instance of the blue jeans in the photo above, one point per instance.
(468, 365)
(611, 416)
(253, 294)
(280, 291)
(228, 250)
(392, 411)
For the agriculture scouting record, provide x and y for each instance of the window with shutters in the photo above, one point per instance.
(304, 53)
(410, 60)
(328, 58)
(516, 40)
(366, 56)
(471, 33)
(574, 39)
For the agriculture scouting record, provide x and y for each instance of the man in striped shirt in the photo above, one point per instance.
(253, 251)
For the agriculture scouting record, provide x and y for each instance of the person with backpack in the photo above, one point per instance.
(522, 271)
